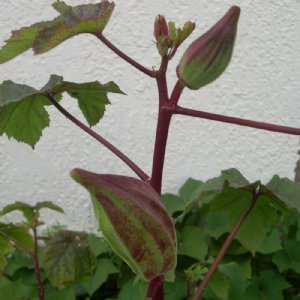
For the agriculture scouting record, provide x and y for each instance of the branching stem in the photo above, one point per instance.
(201, 287)
(242, 122)
(131, 61)
(139, 172)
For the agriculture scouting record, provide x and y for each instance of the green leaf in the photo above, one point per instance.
(5, 246)
(287, 190)
(18, 260)
(272, 243)
(49, 205)
(220, 285)
(18, 235)
(92, 98)
(26, 209)
(98, 245)
(88, 18)
(192, 243)
(68, 257)
(196, 272)
(259, 222)
(188, 188)
(289, 257)
(16, 290)
(63, 294)
(133, 289)
(104, 268)
(22, 108)
(268, 286)
(24, 121)
(237, 279)
(173, 203)
(175, 290)
(2, 264)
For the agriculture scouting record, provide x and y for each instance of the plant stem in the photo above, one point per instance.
(178, 88)
(140, 173)
(39, 284)
(132, 62)
(155, 289)
(225, 246)
(162, 128)
(242, 122)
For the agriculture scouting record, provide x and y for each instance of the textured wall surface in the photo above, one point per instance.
(262, 83)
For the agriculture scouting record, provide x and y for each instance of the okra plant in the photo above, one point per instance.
(132, 216)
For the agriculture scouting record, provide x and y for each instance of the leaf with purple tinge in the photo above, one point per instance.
(133, 220)
(43, 36)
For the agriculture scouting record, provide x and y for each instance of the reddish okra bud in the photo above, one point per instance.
(160, 27)
(133, 220)
(208, 56)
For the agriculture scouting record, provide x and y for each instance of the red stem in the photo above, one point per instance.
(201, 287)
(39, 284)
(162, 129)
(242, 122)
(139, 172)
(134, 63)
(155, 289)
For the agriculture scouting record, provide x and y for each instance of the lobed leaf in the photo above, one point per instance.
(22, 108)
(68, 257)
(287, 190)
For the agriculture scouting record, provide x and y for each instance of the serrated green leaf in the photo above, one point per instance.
(192, 243)
(22, 108)
(68, 257)
(286, 190)
(49, 205)
(18, 235)
(268, 286)
(289, 257)
(104, 268)
(24, 120)
(196, 272)
(87, 18)
(259, 222)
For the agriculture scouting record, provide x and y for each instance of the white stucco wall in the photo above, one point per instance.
(262, 83)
